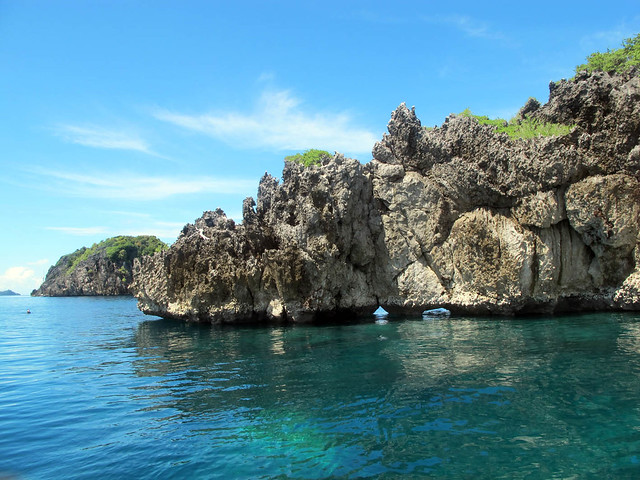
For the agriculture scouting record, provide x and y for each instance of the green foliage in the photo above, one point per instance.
(71, 261)
(618, 61)
(483, 119)
(521, 127)
(531, 128)
(124, 249)
(309, 157)
(120, 250)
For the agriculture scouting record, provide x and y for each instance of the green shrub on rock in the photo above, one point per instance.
(521, 127)
(119, 250)
(309, 157)
(614, 61)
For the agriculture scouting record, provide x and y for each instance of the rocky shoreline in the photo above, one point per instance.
(459, 216)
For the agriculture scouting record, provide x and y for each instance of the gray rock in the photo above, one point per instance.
(458, 217)
(97, 275)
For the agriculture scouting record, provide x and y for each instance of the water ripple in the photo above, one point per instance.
(90, 388)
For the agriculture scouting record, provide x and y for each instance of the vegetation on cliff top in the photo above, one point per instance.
(521, 127)
(618, 61)
(309, 157)
(119, 249)
(611, 61)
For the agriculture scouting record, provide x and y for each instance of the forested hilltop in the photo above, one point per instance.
(105, 268)
(620, 60)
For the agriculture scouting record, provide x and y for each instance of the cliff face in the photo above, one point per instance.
(97, 275)
(104, 269)
(459, 216)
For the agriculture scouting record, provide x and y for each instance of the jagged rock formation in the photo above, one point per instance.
(459, 217)
(103, 269)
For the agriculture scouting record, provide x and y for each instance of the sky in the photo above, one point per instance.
(126, 117)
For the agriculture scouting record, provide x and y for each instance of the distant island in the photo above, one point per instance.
(8, 293)
(103, 269)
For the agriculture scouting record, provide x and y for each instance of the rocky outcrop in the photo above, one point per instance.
(305, 250)
(103, 269)
(97, 275)
(459, 216)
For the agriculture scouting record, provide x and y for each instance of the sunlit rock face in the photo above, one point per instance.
(458, 216)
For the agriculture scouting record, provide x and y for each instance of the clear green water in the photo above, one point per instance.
(91, 388)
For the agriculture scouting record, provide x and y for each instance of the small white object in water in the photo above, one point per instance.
(436, 312)
(381, 316)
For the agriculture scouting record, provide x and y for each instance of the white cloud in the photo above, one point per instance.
(266, 77)
(160, 229)
(43, 261)
(19, 279)
(467, 25)
(166, 230)
(279, 122)
(100, 137)
(132, 187)
(80, 231)
(144, 224)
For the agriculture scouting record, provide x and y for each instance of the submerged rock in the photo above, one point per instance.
(459, 217)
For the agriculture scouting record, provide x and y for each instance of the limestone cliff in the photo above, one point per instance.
(459, 216)
(103, 269)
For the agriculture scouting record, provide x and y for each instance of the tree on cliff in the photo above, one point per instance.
(309, 157)
(618, 61)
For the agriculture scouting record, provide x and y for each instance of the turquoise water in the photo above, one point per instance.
(91, 388)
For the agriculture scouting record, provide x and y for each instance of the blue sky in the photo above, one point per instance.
(134, 117)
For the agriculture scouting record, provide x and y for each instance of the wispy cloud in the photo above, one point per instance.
(471, 27)
(168, 231)
(100, 137)
(611, 39)
(136, 223)
(165, 230)
(279, 121)
(136, 187)
(19, 279)
(43, 261)
(80, 231)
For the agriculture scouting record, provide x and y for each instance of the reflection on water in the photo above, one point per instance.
(98, 390)
(406, 397)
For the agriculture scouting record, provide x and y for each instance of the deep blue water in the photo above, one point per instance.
(91, 388)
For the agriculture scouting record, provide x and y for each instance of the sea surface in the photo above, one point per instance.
(91, 388)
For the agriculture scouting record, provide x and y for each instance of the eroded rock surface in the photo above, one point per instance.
(459, 217)
(97, 275)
